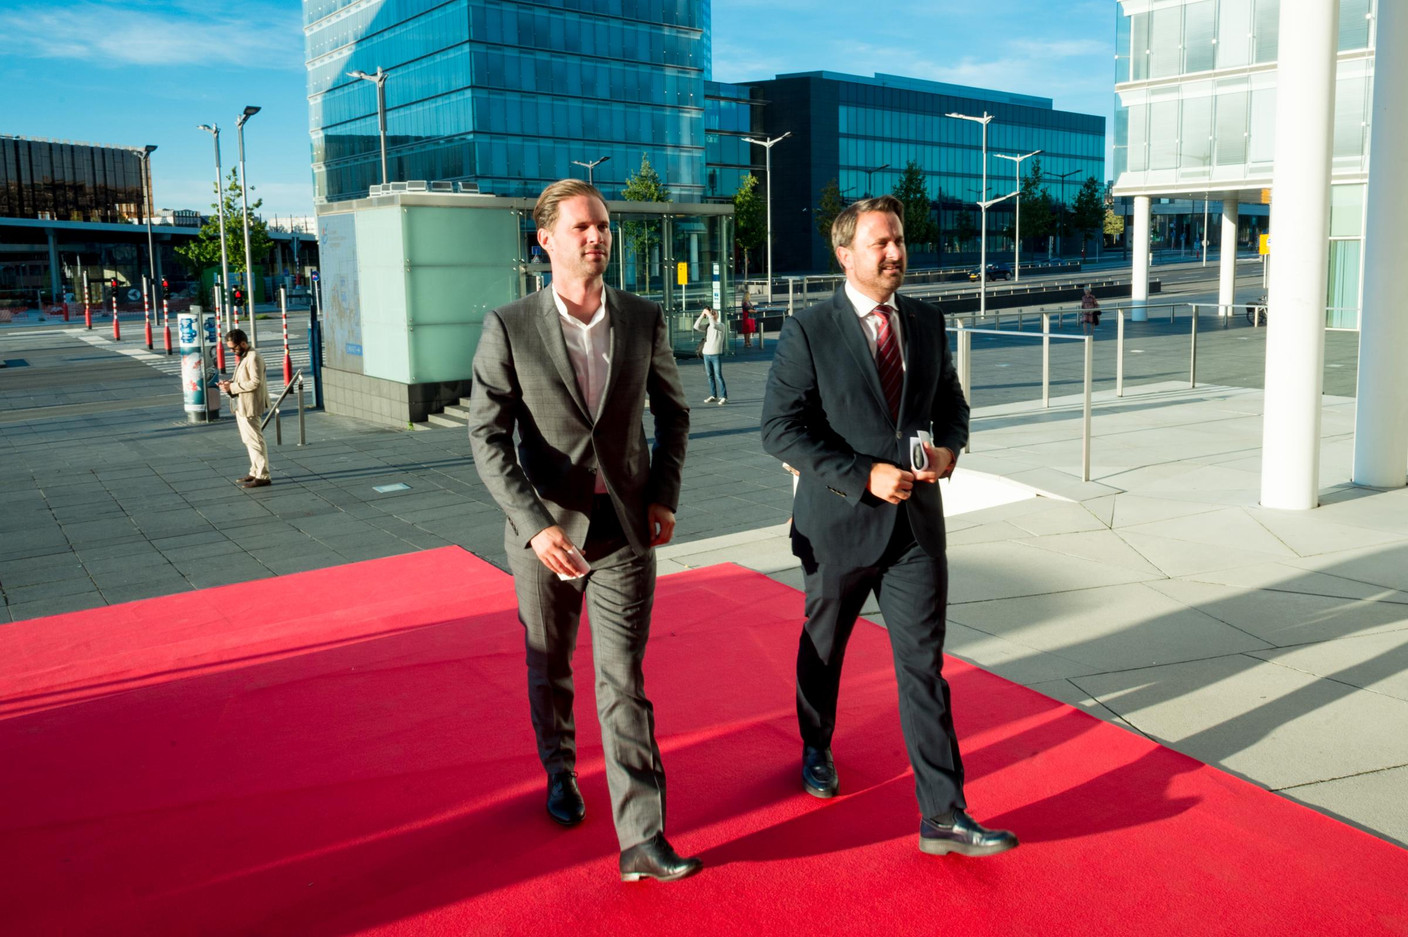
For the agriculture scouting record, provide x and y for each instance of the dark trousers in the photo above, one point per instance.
(912, 589)
(619, 593)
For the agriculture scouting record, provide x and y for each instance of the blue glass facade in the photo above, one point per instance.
(507, 93)
(730, 114)
(845, 127)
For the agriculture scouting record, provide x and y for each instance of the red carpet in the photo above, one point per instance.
(348, 752)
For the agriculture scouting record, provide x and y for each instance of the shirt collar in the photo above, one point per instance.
(864, 305)
(596, 318)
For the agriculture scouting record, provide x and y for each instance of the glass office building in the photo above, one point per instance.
(507, 94)
(862, 132)
(731, 113)
(60, 181)
(1195, 114)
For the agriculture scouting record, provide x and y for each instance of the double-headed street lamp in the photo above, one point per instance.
(768, 145)
(983, 203)
(869, 173)
(590, 166)
(1017, 223)
(249, 112)
(214, 131)
(379, 79)
(145, 155)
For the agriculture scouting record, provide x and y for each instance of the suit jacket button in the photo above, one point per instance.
(899, 435)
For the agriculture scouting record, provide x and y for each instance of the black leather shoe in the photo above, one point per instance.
(964, 836)
(565, 804)
(656, 858)
(819, 772)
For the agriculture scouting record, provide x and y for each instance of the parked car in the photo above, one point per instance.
(995, 272)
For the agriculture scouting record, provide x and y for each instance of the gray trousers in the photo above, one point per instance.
(619, 593)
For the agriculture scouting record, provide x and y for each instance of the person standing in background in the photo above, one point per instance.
(249, 391)
(712, 351)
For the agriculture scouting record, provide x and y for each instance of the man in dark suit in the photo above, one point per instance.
(854, 382)
(569, 369)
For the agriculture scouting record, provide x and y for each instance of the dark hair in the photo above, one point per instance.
(237, 336)
(843, 229)
(545, 211)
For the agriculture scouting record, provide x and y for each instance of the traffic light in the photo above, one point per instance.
(163, 284)
(239, 296)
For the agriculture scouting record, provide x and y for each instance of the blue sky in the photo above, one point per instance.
(133, 72)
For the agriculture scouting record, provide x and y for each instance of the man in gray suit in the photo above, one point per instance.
(570, 369)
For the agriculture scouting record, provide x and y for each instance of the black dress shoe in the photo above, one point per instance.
(819, 772)
(656, 858)
(256, 483)
(964, 836)
(565, 804)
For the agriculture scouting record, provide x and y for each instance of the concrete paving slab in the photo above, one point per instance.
(1178, 558)
(1104, 629)
(1279, 726)
(1067, 692)
(1369, 661)
(1385, 566)
(1100, 547)
(980, 572)
(1285, 618)
(1373, 801)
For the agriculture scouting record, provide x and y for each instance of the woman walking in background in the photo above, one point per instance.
(712, 352)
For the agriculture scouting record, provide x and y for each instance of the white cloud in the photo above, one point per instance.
(191, 35)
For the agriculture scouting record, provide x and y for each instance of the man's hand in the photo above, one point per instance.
(890, 482)
(555, 550)
(661, 524)
(940, 464)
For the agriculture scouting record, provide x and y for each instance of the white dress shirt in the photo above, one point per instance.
(589, 347)
(864, 305)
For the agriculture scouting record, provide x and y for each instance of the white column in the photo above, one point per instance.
(1381, 409)
(1139, 272)
(1300, 187)
(1227, 266)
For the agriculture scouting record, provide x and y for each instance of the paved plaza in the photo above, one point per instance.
(1158, 595)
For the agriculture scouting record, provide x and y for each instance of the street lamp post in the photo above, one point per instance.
(1017, 223)
(1205, 228)
(983, 204)
(768, 145)
(249, 112)
(868, 174)
(224, 304)
(145, 155)
(590, 166)
(379, 79)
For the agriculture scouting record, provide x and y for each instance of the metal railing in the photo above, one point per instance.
(274, 412)
(964, 335)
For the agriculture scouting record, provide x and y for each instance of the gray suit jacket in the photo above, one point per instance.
(524, 382)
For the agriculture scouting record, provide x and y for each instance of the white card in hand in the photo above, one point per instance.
(579, 563)
(918, 456)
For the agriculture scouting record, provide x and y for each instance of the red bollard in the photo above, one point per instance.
(116, 329)
(166, 319)
(87, 314)
(147, 314)
(288, 361)
(65, 310)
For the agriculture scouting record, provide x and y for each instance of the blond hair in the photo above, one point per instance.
(545, 211)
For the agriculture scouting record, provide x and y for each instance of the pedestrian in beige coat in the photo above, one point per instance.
(249, 391)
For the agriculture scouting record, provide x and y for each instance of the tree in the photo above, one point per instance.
(1038, 214)
(1114, 223)
(964, 229)
(1088, 209)
(919, 226)
(203, 252)
(750, 218)
(830, 205)
(644, 185)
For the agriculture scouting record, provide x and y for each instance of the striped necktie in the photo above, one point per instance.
(887, 359)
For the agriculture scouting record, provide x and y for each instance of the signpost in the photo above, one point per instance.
(196, 331)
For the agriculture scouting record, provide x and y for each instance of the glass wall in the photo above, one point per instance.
(508, 93)
(1225, 50)
(69, 181)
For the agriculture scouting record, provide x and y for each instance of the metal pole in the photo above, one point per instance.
(244, 202)
(146, 156)
(224, 304)
(302, 435)
(1119, 352)
(1193, 351)
(381, 117)
(1046, 360)
(983, 235)
(1085, 440)
(967, 339)
(768, 161)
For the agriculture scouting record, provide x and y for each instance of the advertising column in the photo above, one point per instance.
(198, 336)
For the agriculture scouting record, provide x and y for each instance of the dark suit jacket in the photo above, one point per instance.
(523, 381)
(825, 415)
